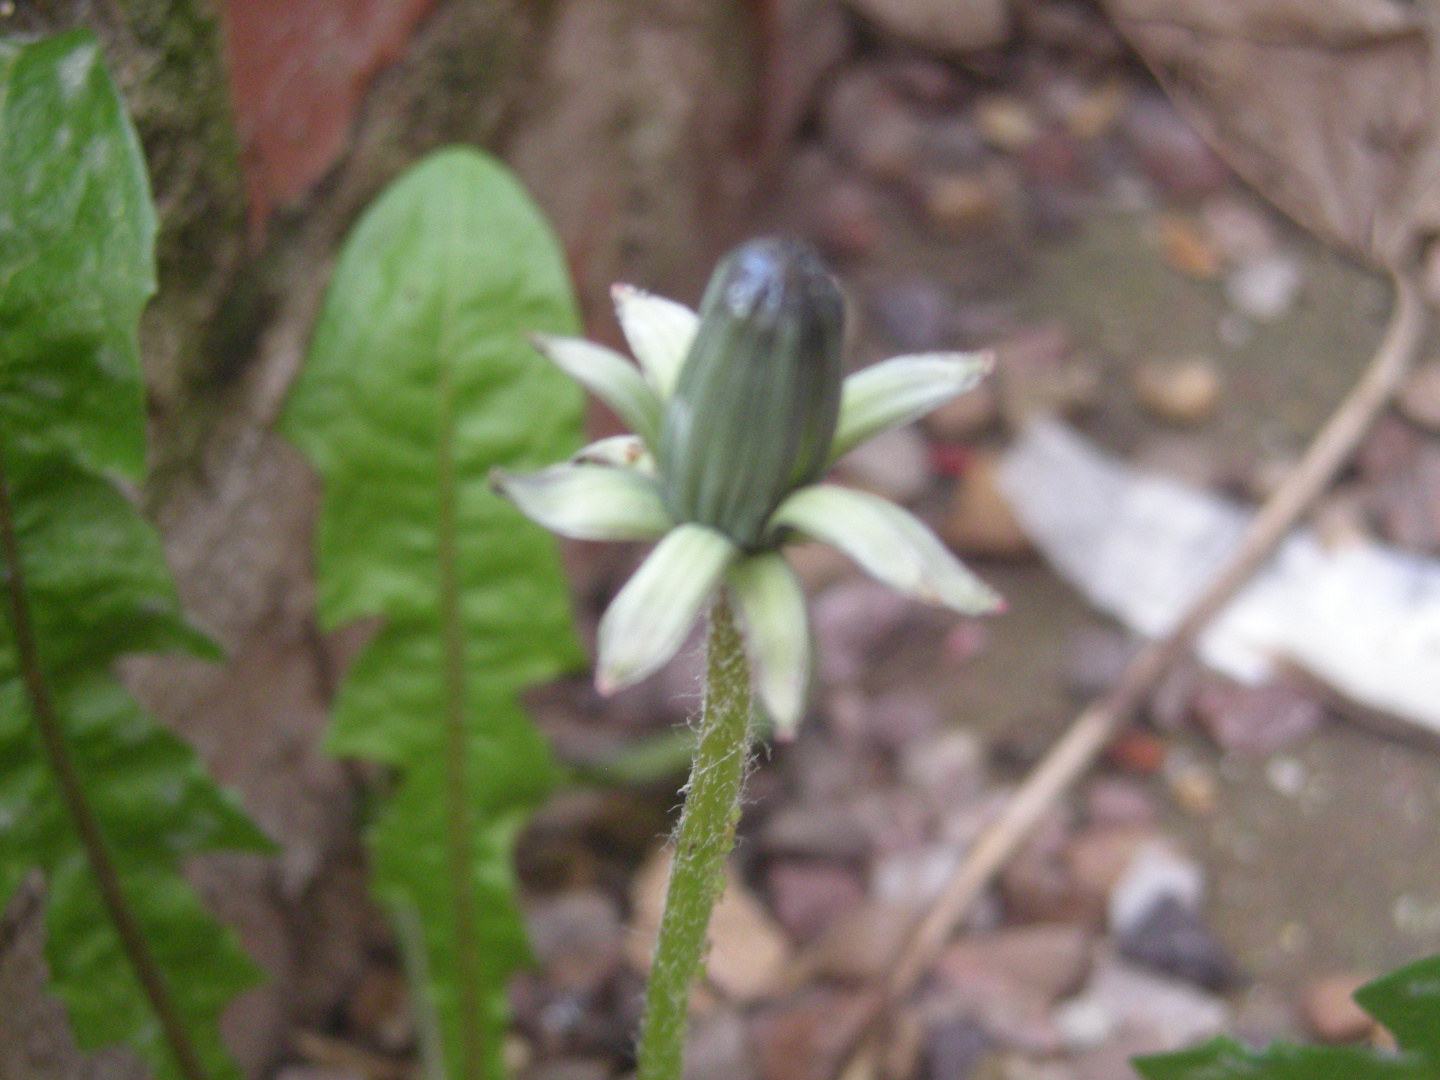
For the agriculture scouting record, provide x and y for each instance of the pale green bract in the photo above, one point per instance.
(610, 490)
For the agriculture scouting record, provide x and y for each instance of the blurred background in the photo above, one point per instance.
(980, 173)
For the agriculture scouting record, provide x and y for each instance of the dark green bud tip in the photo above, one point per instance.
(754, 408)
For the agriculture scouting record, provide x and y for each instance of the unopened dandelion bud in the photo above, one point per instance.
(756, 402)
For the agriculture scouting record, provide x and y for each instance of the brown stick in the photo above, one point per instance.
(92, 838)
(1069, 759)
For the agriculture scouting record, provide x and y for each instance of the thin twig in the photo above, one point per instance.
(1069, 759)
(92, 839)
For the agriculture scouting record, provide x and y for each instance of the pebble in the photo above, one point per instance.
(903, 718)
(948, 27)
(1113, 800)
(964, 417)
(1035, 373)
(1007, 123)
(1419, 399)
(1255, 720)
(814, 830)
(869, 128)
(851, 621)
(1236, 230)
(847, 223)
(862, 944)
(1094, 113)
(913, 875)
(1095, 656)
(1388, 452)
(1171, 152)
(953, 142)
(1154, 873)
(1266, 289)
(1138, 752)
(1054, 160)
(1330, 1012)
(1124, 1000)
(1184, 248)
(718, 1048)
(1096, 859)
(1172, 938)
(1407, 508)
(946, 769)
(795, 1040)
(921, 79)
(576, 937)
(1173, 699)
(979, 520)
(1048, 959)
(894, 464)
(1194, 788)
(1184, 391)
(808, 895)
(915, 313)
(962, 204)
(953, 1048)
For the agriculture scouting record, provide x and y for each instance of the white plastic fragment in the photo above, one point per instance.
(1363, 618)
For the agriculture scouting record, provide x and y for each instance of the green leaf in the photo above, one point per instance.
(1406, 1001)
(1225, 1059)
(77, 234)
(76, 267)
(420, 380)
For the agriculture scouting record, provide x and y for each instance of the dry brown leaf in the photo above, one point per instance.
(1328, 107)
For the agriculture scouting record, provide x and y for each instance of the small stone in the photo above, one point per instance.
(1194, 788)
(947, 27)
(1182, 391)
(964, 417)
(1185, 249)
(1235, 230)
(980, 521)
(946, 769)
(847, 222)
(1286, 776)
(808, 896)
(869, 128)
(953, 1048)
(1096, 859)
(1265, 289)
(571, 1068)
(1113, 800)
(1389, 452)
(965, 640)
(1050, 959)
(814, 830)
(913, 875)
(952, 143)
(1138, 752)
(1172, 152)
(1094, 113)
(1035, 373)
(748, 953)
(718, 1048)
(576, 937)
(1174, 940)
(901, 719)
(795, 1040)
(921, 79)
(915, 313)
(1330, 1010)
(961, 204)
(1054, 160)
(852, 621)
(1094, 659)
(1007, 123)
(894, 465)
(863, 943)
(1162, 1014)
(1153, 874)
(1419, 399)
(1407, 507)
(1255, 720)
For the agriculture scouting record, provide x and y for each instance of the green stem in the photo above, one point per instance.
(703, 840)
(72, 791)
(459, 852)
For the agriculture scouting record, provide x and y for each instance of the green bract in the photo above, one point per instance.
(736, 415)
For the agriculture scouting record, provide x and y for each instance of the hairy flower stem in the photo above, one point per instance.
(703, 840)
